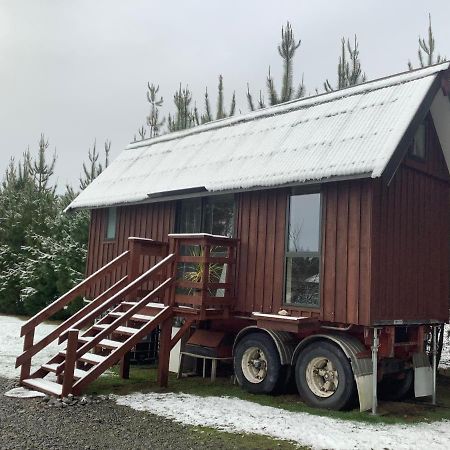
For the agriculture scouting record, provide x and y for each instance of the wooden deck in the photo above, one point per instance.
(192, 278)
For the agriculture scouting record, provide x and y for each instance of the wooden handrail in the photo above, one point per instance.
(75, 321)
(62, 301)
(123, 318)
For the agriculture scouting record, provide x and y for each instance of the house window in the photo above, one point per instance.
(111, 223)
(303, 251)
(419, 145)
(213, 215)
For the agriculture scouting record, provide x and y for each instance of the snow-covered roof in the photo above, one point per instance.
(352, 132)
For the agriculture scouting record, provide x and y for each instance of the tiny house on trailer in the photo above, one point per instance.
(314, 233)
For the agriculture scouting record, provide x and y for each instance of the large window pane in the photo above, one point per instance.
(219, 215)
(190, 216)
(302, 280)
(302, 256)
(111, 224)
(304, 217)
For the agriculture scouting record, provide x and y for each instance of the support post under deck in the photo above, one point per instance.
(434, 352)
(375, 345)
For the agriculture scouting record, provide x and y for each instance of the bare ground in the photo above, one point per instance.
(31, 424)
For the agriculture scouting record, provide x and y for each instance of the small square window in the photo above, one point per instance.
(419, 144)
(111, 223)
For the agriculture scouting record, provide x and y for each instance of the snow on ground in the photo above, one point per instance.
(445, 356)
(11, 345)
(235, 415)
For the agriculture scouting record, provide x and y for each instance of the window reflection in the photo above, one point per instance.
(302, 257)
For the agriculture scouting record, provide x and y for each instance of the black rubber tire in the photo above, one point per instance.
(274, 369)
(394, 389)
(345, 393)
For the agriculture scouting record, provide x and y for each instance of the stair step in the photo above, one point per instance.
(135, 317)
(43, 385)
(77, 373)
(90, 358)
(128, 331)
(105, 343)
(148, 305)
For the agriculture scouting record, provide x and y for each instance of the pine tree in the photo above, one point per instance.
(40, 169)
(286, 49)
(220, 113)
(153, 120)
(94, 168)
(428, 57)
(42, 250)
(349, 67)
(184, 117)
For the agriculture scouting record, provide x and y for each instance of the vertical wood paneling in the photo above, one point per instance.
(342, 253)
(261, 233)
(153, 221)
(365, 250)
(411, 265)
(280, 198)
(269, 256)
(329, 253)
(354, 211)
(261, 251)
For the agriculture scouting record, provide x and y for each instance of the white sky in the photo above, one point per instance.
(77, 69)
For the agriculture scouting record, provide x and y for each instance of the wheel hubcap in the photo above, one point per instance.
(322, 377)
(254, 365)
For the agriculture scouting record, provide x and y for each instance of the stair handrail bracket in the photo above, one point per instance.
(204, 271)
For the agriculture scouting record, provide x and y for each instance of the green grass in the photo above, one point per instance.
(144, 380)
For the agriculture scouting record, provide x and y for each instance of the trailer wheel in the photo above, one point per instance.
(257, 364)
(396, 389)
(324, 377)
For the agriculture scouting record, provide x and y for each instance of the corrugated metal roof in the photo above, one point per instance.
(351, 132)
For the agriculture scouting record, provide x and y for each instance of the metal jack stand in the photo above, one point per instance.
(434, 353)
(375, 345)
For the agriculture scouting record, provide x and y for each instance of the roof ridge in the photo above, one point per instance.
(305, 102)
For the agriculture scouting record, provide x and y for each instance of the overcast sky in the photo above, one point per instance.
(77, 69)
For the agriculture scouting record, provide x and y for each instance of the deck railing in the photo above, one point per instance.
(203, 270)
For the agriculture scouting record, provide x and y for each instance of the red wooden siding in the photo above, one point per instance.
(154, 221)
(410, 241)
(346, 242)
(261, 225)
(384, 249)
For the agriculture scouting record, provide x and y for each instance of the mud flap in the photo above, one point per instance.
(362, 369)
(423, 375)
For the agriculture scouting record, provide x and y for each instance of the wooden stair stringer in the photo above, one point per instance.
(112, 359)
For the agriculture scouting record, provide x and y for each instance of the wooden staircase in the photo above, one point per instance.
(102, 334)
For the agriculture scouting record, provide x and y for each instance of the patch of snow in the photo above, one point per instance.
(235, 415)
(445, 356)
(11, 345)
(21, 392)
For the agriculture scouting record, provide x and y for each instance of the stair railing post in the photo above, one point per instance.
(27, 344)
(174, 248)
(134, 262)
(206, 252)
(71, 357)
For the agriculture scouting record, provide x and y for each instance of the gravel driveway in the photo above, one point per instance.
(31, 424)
